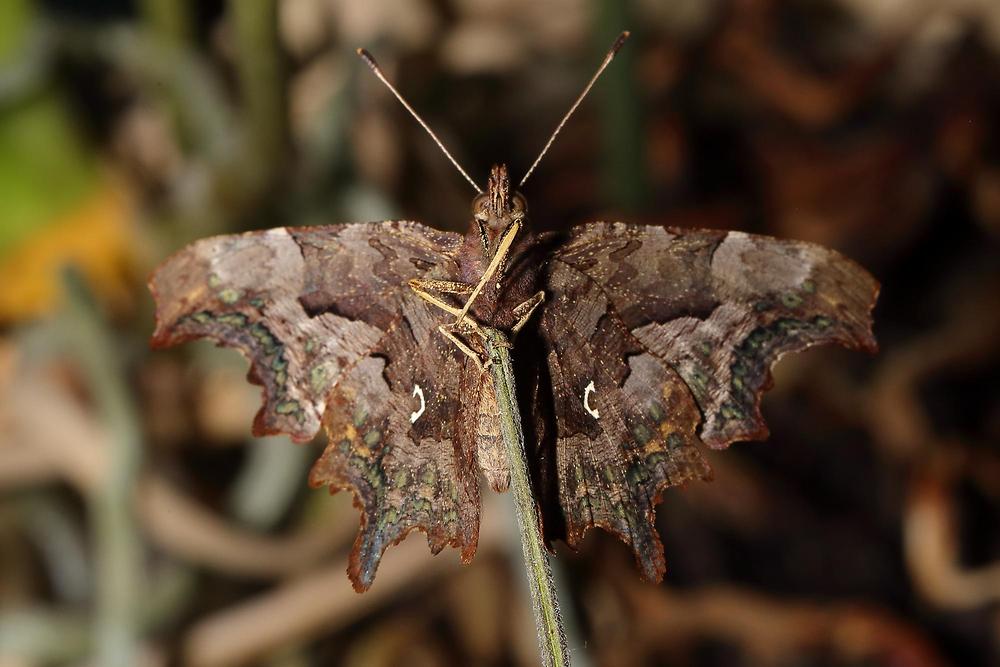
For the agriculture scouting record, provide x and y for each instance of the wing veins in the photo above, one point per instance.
(615, 411)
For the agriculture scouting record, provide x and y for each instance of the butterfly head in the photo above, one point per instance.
(498, 207)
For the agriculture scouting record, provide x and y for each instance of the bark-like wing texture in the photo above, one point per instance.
(336, 338)
(722, 307)
(625, 423)
(399, 440)
(657, 338)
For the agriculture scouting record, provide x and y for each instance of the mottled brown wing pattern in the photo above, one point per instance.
(402, 440)
(722, 307)
(675, 328)
(625, 422)
(336, 338)
(358, 274)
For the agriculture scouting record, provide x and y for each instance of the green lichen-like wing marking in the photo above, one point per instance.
(721, 308)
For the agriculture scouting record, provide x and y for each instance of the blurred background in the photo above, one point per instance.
(140, 524)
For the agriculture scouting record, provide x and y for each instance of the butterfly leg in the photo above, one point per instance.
(526, 309)
(421, 287)
(464, 347)
(498, 257)
(442, 286)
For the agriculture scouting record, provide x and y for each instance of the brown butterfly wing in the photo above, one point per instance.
(677, 331)
(399, 438)
(625, 424)
(336, 338)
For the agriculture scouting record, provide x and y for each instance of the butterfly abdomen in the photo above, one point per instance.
(489, 446)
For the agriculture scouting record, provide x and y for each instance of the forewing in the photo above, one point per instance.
(722, 307)
(302, 304)
(336, 338)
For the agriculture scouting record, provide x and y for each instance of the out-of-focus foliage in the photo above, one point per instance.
(140, 525)
(94, 236)
(56, 205)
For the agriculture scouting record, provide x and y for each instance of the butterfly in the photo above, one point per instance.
(635, 347)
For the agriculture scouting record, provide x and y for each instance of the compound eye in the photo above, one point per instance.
(480, 208)
(518, 205)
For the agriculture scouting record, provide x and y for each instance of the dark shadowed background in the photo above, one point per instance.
(140, 524)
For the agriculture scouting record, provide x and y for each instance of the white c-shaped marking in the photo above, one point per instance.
(586, 400)
(417, 391)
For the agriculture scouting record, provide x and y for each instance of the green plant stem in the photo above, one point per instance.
(117, 544)
(168, 19)
(261, 71)
(544, 601)
(623, 139)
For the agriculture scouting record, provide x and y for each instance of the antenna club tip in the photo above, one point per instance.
(367, 57)
(620, 41)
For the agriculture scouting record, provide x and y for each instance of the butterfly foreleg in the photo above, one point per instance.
(441, 286)
(448, 331)
(498, 257)
(421, 287)
(525, 310)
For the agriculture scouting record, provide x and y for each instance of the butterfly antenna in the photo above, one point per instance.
(370, 61)
(607, 61)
